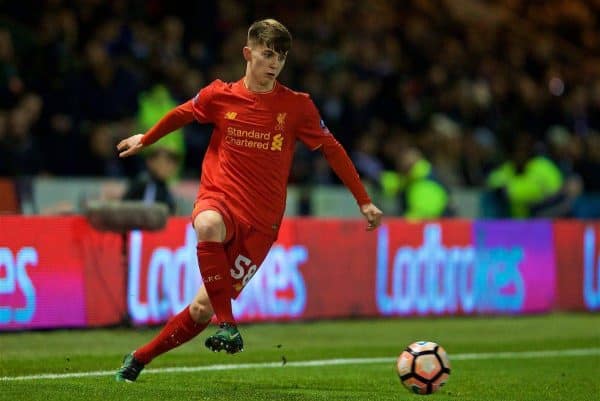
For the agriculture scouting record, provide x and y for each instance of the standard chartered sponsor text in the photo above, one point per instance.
(247, 143)
(240, 133)
(248, 138)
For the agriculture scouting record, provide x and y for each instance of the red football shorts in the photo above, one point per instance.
(246, 248)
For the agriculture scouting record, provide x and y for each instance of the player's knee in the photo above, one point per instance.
(210, 228)
(201, 312)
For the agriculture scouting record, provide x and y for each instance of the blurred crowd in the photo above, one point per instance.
(469, 92)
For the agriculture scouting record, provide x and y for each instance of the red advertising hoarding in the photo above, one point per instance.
(58, 272)
(334, 268)
(317, 269)
(312, 260)
(163, 274)
(578, 259)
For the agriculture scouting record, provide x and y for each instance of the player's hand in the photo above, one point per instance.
(372, 214)
(130, 146)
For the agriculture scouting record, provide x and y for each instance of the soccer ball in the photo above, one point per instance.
(423, 367)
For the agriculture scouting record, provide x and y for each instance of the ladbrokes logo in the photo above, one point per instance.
(435, 278)
(254, 139)
(277, 142)
(591, 270)
(278, 290)
(17, 283)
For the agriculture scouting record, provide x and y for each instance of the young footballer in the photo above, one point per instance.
(241, 200)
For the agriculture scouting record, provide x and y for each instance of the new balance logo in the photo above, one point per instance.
(230, 115)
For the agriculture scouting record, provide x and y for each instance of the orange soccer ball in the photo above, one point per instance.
(423, 367)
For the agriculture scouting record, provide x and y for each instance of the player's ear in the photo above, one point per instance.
(247, 53)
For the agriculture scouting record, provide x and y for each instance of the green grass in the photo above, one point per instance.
(539, 378)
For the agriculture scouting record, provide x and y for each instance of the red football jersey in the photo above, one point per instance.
(249, 156)
(252, 145)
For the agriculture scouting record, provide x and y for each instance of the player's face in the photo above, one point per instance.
(264, 65)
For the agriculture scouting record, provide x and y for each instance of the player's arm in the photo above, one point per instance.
(315, 135)
(199, 108)
(343, 167)
(172, 121)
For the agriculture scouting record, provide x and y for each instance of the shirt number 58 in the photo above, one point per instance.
(243, 269)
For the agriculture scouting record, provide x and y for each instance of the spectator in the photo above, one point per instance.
(366, 158)
(497, 66)
(415, 186)
(527, 185)
(153, 104)
(11, 82)
(107, 91)
(22, 152)
(98, 158)
(152, 185)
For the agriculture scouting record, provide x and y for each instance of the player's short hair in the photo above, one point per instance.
(271, 33)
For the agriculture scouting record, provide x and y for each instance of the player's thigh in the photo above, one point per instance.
(247, 255)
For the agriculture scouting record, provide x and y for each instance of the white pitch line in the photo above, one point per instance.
(318, 362)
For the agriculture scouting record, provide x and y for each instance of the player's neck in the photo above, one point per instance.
(254, 86)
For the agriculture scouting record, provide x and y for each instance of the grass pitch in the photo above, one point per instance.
(550, 357)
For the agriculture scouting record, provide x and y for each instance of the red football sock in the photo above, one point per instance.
(217, 280)
(178, 330)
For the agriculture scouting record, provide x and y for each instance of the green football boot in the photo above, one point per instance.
(130, 369)
(227, 338)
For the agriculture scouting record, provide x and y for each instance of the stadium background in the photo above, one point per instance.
(463, 81)
(459, 80)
